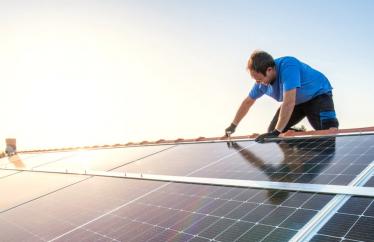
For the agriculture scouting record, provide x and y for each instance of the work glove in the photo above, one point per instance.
(273, 134)
(230, 130)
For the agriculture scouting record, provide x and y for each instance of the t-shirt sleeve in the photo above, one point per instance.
(291, 77)
(255, 92)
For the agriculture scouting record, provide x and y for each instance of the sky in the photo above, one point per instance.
(85, 72)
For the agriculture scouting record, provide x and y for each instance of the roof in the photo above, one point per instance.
(316, 185)
(206, 139)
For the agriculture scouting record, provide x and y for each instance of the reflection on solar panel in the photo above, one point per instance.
(181, 160)
(6, 173)
(41, 206)
(98, 159)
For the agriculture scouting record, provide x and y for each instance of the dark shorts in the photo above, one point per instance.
(319, 111)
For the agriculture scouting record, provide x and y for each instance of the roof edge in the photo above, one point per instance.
(204, 139)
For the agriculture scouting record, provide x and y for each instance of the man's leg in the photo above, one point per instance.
(320, 112)
(296, 116)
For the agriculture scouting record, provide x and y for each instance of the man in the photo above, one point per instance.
(304, 91)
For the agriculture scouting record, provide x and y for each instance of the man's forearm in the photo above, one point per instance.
(284, 116)
(286, 110)
(243, 110)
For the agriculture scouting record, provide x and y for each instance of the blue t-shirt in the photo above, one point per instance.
(291, 74)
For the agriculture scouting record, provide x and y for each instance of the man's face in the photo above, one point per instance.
(264, 79)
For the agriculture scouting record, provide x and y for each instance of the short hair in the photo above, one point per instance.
(260, 61)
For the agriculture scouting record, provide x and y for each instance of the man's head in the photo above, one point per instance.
(261, 67)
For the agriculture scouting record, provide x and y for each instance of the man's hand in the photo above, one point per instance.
(230, 129)
(273, 134)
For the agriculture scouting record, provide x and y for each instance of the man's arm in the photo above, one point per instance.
(289, 99)
(242, 111)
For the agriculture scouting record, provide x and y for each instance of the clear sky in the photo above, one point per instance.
(83, 72)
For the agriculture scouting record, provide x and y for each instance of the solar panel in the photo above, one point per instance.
(28, 161)
(63, 207)
(181, 160)
(206, 212)
(313, 160)
(353, 221)
(98, 159)
(323, 160)
(4, 173)
(56, 212)
(24, 186)
(185, 210)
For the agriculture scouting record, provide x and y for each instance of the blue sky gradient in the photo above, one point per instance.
(136, 70)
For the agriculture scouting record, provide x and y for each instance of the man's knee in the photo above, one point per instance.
(328, 120)
(329, 123)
